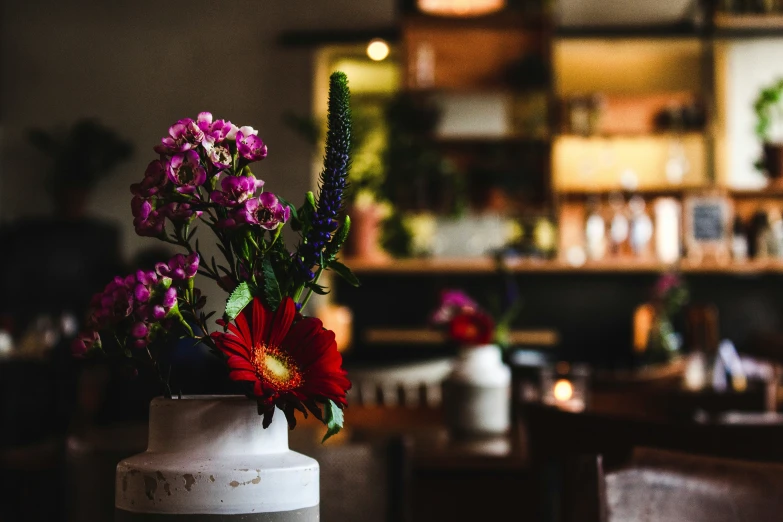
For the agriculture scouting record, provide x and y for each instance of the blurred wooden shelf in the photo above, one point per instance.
(656, 134)
(679, 191)
(429, 266)
(429, 336)
(748, 21)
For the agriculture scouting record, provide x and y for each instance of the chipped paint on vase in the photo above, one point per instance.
(209, 458)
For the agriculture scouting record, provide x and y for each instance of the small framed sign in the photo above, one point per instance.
(707, 223)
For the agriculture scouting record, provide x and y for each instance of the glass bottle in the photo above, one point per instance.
(595, 232)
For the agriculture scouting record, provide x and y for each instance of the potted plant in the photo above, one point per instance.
(769, 129)
(477, 393)
(227, 456)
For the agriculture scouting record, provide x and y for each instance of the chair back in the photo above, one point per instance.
(662, 486)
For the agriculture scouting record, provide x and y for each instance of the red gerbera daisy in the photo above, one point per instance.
(291, 361)
(472, 328)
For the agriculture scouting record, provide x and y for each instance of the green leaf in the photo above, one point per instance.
(271, 286)
(344, 272)
(305, 214)
(338, 240)
(238, 300)
(318, 289)
(334, 419)
(294, 213)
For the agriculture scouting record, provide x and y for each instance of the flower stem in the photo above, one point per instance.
(310, 290)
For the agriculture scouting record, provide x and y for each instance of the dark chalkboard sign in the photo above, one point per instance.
(709, 221)
(707, 226)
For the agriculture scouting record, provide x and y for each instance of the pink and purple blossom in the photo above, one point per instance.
(179, 267)
(265, 211)
(236, 190)
(183, 136)
(84, 342)
(146, 220)
(186, 172)
(214, 132)
(154, 181)
(180, 213)
(249, 145)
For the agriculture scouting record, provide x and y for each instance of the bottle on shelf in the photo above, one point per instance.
(667, 229)
(641, 228)
(775, 233)
(595, 231)
(758, 236)
(739, 241)
(619, 226)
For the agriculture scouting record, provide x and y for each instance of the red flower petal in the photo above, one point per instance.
(284, 317)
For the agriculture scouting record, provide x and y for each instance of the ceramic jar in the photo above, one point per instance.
(209, 459)
(477, 393)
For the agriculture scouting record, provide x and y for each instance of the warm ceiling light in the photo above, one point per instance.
(563, 390)
(377, 50)
(460, 7)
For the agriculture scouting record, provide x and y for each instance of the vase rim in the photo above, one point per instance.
(203, 398)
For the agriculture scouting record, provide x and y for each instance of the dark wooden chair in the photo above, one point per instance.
(663, 486)
(563, 448)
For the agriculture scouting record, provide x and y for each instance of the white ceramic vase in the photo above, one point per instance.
(209, 459)
(477, 393)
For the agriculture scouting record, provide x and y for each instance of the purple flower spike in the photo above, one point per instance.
(147, 221)
(183, 135)
(249, 145)
(236, 190)
(265, 211)
(179, 267)
(186, 172)
(154, 180)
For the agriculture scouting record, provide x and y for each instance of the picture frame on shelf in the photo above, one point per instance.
(707, 222)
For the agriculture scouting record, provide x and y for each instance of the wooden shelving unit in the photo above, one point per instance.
(432, 266)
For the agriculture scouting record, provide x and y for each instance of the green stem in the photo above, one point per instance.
(310, 290)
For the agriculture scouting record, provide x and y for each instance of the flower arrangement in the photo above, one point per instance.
(278, 356)
(467, 324)
(670, 295)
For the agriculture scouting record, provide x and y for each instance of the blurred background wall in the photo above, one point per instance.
(138, 66)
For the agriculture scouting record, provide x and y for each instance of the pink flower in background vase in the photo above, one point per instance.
(186, 172)
(452, 302)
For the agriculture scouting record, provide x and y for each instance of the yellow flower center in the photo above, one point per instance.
(276, 368)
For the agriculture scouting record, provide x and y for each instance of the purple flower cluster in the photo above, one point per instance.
(179, 186)
(136, 306)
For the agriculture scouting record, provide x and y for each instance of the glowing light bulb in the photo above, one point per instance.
(377, 50)
(563, 390)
